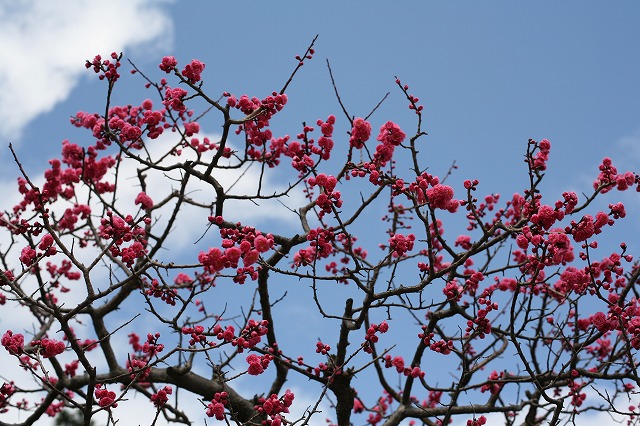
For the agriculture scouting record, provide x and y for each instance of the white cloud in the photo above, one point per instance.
(45, 43)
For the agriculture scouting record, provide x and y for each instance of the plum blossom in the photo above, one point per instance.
(440, 196)
(168, 64)
(144, 200)
(193, 70)
(360, 133)
(13, 343)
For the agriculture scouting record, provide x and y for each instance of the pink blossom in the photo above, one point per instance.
(28, 256)
(168, 64)
(583, 229)
(106, 398)
(440, 196)
(401, 244)
(173, 99)
(250, 257)
(191, 128)
(144, 200)
(182, 279)
(625, 181)
(262, 244)
(360, 133)
(215, 409)
(560, 248)
(599, 320)
(50, 347)
(232, 254)
(546, 217)
(390, 133)
(193, 70)
(13, 343)
(255, 365)
(213, 260)
(45, 242)
(160, 398)
(464, 242)
(522, 242)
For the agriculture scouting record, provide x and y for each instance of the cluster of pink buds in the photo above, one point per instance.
(108, 69)
(106, 398)
(160, 398)
(257, 364)
(413, 101)
(372, 336)
(274, 406)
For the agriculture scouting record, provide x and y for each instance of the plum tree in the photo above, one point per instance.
(160, 262)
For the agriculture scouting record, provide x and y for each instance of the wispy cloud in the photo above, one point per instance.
(44, 44)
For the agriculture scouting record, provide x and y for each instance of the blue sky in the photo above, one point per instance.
(490, 74)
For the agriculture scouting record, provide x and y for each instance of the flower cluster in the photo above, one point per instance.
(106, 398)
(160, 398)
(273, 406)
(323, 349)
(257, 364)
(71, 368)
(360, 133)
(303, 149)
(60, 182)
(588, 227)
(173, 99)
(398, 363)
(13, 343)
(413, 101)
(126, 123)
(193, 71)
(251, 334)
(207, 145)
(441, 197)
(480, 325)
(240, 243)
(400, 244)
(444, 347)
(480, 421)
(572, 279)
(48, 348)
(321, 246)
(256, 130)
(168, 64)
(196, 333)
(106, 68)
(325, 142)
(121, 231)
(493, 384)
(546, 217)
(538, 154)
(6, 390)
(138, 363)
(144, 200)
(329, 198)
(372, 336)
(453, 290)
(216, 407)
(71, 215)
(161, 291)
(609, 178)
(390, 136)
